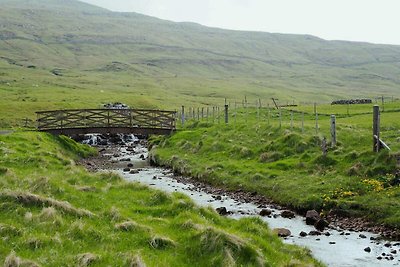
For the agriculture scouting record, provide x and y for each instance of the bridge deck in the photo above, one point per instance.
(82, 121)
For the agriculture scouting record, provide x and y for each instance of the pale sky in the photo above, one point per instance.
(376, 21)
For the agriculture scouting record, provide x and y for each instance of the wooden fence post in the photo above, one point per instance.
(235, 112)
(183, 116)
(213, 114)
(376, 129)
(291, 119)
(333, 130)
(202, 113)
(226, 114)
(316, 123)
(245, 107)
(280, 118)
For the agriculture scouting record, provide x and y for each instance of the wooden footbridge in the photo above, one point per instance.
(107, 121)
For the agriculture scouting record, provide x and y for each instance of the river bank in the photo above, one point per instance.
(288, 167)
(339, 236)
(55, 213)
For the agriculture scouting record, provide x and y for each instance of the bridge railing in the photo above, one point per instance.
(105, 118)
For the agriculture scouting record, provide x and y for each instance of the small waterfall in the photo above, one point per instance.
(102, 140)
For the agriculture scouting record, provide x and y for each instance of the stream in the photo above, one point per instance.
(334, 247)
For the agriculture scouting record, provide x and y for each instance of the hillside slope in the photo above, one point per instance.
(57, 44)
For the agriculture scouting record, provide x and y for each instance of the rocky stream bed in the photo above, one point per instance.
(335, 240)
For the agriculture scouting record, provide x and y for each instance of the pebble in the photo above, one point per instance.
(367, 249)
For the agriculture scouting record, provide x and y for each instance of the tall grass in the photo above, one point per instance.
(48, 220)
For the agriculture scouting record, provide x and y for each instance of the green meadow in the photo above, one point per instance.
(55, 213)
(283, 160)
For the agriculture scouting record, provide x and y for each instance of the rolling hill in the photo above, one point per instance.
(59, 52)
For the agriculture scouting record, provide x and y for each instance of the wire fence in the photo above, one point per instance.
(310, 119)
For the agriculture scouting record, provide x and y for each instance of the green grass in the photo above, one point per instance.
(287, 165)
(101, 56)
(54, 213)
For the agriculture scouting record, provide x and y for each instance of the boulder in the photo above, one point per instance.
(265, 212)
(312, 216)
(282, 232)
(362, 236)
(127, 169)
(303, 234)
(367, 249)
(222, 211)
(130, 165)
(102, 143)
(314, 233)
(134, 171)
(130, 149)
(321, 224)
(287, 214)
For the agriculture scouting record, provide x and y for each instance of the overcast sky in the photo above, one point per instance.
(376, 21)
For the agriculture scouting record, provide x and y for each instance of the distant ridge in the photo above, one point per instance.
(78, 37)
(71, 5)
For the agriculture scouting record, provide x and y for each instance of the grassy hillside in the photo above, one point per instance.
(287, 165)
(60, 54)
(54, 213)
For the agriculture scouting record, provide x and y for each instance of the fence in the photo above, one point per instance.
(305, 119)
